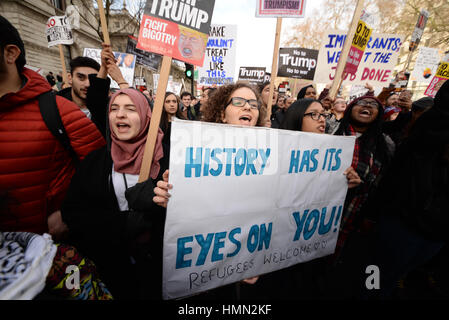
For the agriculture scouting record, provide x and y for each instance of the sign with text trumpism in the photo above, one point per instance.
(297, 63)
(440, 77)
(264, 200)
(253, 75)
(280, 8)
(178, 29)
(219, 63)
(426, 64)
(125, 61)
(58, 31)
(376, 66)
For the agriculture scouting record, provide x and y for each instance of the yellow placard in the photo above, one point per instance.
(443, 70)
(361, 36)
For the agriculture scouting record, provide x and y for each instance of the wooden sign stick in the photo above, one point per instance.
(155, 119)
(338, 79)
(64, 70)
(104, 25)
(274, 67)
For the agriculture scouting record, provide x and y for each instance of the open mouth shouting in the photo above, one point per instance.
(245, 119)
(365, 113)
(122, 127)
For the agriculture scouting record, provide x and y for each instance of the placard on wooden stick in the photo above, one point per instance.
(336, 84)
(175, 37)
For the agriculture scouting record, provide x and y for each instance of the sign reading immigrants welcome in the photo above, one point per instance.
(264, 200)
(178, 29)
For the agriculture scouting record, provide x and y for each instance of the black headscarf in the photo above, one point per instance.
(302, 92)
(295, 113)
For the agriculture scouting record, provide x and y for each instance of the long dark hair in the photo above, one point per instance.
(295, 114)
(164, 116)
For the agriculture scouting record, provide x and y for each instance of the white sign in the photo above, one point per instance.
(280, 8)
(248, 201)
(426, 64)
(172, 85)
(377, 64)
(58, 31)
(219, 61)
(125, 61)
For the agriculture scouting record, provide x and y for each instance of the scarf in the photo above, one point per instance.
(128, 155)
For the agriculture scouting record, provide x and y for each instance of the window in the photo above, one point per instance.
(59, 4)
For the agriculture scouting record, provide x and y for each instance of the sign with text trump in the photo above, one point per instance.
(178, 29)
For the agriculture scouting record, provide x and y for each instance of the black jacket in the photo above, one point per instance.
(96, 101)
(108, 236)
(416, 187)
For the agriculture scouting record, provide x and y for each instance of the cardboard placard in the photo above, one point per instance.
(253, 75)
(58, 31)
(280, 8)
(286, 210)
(219, 63)
(297, 63)
(176, 29)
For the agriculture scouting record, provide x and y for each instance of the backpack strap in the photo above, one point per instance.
(50, 113)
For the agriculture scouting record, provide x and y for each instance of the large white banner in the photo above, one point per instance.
(248, 201)
(219, 60)
(125, 61)
(377, 64)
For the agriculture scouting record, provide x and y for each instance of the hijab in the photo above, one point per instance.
(302, 92)
(128, 155)
(295, 113)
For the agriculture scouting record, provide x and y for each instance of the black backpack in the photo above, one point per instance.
(50, 113)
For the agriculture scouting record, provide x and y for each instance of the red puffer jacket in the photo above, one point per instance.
(35, 170)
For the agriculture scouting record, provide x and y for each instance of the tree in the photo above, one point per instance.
(337, 15)
(391, 16)
(88, 11)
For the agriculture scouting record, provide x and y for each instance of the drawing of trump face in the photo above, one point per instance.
(191, 44)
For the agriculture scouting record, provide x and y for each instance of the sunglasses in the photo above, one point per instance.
(240, 102)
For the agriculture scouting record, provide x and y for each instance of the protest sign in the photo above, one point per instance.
(280, 8)
(376, 66)
(253, 75)
(176, 29)
(286, 210)
(358, 46)
(148, 59)
(58, 31)
(419, 29)
(440, 77)
(339, 74)
(125, 61)
(297, 63)
(426, 64)
(219, 62)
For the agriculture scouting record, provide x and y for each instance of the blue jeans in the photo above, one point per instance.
(399, 251)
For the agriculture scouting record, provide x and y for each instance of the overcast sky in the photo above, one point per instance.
(255, 36)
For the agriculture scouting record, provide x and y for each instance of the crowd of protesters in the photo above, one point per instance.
(86, 193)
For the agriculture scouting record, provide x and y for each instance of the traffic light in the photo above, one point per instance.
(189, 71)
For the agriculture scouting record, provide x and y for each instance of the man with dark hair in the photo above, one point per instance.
(80, 69)
(186, 100)
(36, 169)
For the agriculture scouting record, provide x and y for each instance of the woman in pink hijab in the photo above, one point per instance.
(110, 216)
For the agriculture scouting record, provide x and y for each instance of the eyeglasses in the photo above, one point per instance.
(316, 115)
(364, 103)
(240, 102)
